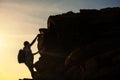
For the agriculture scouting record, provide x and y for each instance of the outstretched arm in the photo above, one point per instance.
(35, 53)
(33, 41)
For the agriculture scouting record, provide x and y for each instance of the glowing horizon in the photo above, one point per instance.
(20, 20)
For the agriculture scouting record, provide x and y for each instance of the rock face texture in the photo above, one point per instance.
(81, 46)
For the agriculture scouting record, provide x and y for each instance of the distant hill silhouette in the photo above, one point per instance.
(81, 46)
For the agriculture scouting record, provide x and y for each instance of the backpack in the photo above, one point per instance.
(21, 56)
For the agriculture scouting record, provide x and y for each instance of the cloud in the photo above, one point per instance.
(34, 2)
(27, 16)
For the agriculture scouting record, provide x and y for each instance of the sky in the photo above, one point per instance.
(20, 21)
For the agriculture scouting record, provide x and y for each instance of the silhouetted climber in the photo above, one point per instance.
(29, 56)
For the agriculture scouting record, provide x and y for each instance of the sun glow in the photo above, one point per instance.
(2, 43)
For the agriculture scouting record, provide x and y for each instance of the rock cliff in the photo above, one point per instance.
(81, 46)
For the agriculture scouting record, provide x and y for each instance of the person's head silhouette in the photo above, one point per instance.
(26, 43)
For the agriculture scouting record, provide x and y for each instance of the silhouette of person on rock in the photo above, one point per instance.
(29, 56)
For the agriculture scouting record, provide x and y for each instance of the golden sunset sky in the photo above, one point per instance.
(20, 20)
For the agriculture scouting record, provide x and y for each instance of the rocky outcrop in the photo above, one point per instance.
(81, 46)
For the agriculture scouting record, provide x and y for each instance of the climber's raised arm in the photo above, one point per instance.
(33, 41)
